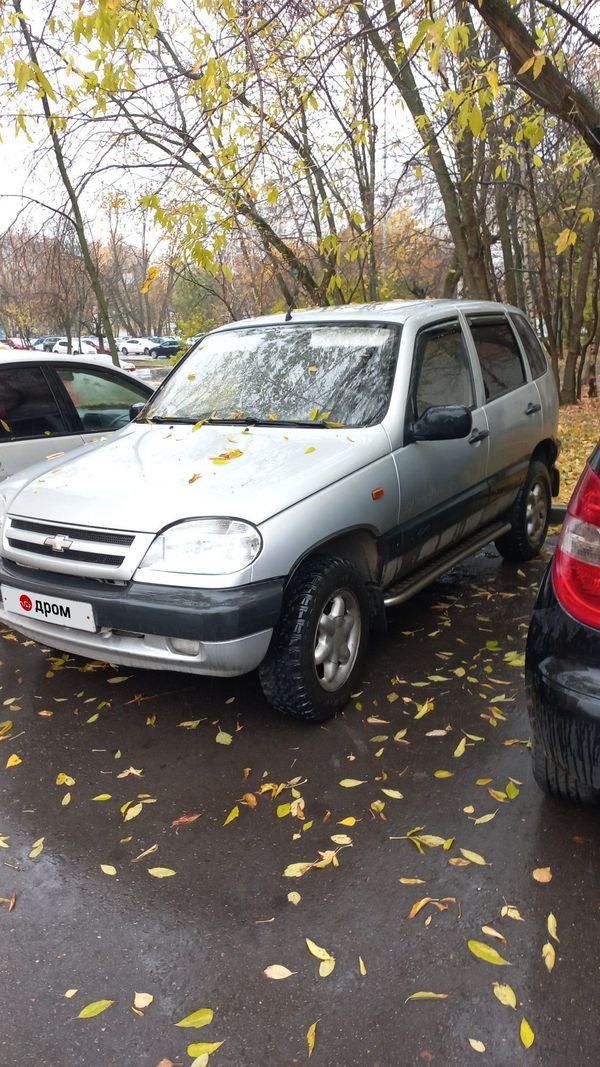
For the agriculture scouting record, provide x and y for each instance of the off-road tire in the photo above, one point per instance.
(288, 674)
(518, 544)
(557, 782)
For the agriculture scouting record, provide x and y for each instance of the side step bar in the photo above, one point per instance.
(426, 574)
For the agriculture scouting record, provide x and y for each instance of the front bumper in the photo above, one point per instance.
(141, 625)
(562, 677)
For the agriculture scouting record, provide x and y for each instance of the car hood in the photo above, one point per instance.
(149, 476)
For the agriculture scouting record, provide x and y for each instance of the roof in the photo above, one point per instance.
(394, 311)
(25, 356)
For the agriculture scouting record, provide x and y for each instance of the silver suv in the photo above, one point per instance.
(290, 479)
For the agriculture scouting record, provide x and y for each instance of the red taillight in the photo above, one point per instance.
(576, 567)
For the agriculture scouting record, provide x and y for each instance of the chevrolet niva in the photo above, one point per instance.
(291, 478)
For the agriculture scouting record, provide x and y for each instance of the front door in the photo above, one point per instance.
(443, 489)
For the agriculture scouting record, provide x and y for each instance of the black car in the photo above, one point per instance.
(166, 346)
(562, 663)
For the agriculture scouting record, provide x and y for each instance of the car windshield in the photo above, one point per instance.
(309, 374)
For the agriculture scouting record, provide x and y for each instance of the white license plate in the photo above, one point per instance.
(48, 608)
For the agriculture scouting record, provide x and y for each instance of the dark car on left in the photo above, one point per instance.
(51, 404)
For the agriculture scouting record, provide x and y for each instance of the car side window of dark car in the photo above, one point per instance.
(28, 406)
(533, 349)
(101, 399)
(442, 372)
(499, 356)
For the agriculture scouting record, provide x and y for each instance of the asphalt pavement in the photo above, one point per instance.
(154, 826)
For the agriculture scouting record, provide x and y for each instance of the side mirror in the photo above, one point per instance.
(447, 423)
(135, 409)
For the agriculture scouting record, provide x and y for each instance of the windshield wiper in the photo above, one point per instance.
(244, 420)
(170, 419)
(254, 420)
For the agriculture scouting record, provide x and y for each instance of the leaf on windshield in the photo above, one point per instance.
(225, 457)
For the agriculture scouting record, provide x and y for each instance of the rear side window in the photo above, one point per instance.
(442, 375)
(533, 348)
(499, 356)
(28, 407)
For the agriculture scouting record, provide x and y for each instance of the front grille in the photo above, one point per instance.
(69, 553)
(70, 548)
(50, 529)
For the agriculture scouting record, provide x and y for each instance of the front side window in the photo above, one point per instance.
(533, 348)
(501, 364)
(28, 407)
(443, 376)
(287, 374)
(102, 399)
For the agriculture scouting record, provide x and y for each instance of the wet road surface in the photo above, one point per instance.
(203, 936)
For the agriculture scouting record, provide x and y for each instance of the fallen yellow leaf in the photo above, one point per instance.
(542, 874)
(426, 996)
(549, 954)
(277, 971)
(316, 950)
(526, 1034)
(486, 953)
(311, 1037)
(505, 994)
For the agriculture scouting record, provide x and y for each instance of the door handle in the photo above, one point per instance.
(532, 408)
(478, 435)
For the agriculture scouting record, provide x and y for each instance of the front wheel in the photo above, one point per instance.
(146, 351)
(319, 643)
(529, 516)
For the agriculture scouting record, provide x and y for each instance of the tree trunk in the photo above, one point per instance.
(467, 241)
(549, 88)
(568, 393)
(77, 218)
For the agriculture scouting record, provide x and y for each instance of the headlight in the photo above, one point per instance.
(204, 546)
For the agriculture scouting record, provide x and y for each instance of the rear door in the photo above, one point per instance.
(35, 421)
(101, 397)
(443, 488)
(512, 406)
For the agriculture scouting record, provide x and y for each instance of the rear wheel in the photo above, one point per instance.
(124, 351)
(557, 782)
(529, 516)
(318, 646)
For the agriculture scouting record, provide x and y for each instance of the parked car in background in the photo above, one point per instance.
(77, 346)
(93, 341)
(165, 347)
(137, 346)
(62, 348)
(287, 482)
(51, 404)
(50, 341)
(194, 340)
(562, 663)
